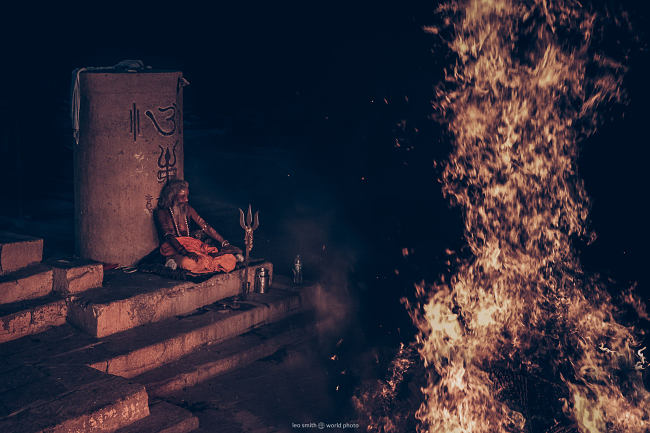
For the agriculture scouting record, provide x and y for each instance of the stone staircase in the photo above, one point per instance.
(32, 293)
(84, 351)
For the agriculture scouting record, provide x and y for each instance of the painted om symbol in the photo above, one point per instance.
(169, 120)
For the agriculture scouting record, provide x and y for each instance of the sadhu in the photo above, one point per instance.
(174, 216)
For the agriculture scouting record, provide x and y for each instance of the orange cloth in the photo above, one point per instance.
(205, 263)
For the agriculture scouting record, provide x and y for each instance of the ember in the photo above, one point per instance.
(520, 314)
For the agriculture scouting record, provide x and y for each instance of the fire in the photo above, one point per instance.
(524, 90)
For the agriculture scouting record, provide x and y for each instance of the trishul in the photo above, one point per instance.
(249, 226)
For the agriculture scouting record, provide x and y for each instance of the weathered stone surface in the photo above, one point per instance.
(31, 282)
(163, 418)
(31, 317)
(133, 352)
(75, 276)
(213, 360)
(64, 399)
(18, 251)
(137, 350)
(129, 122)
(71, 400)
(54, 345)
(129, 300)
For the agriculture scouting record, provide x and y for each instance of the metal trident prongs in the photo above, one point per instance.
(249, 226)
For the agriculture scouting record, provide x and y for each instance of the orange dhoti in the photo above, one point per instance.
(205, 263)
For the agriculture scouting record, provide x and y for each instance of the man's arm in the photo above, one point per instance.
(205, 226)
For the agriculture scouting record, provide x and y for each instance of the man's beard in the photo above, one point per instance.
(183, 207)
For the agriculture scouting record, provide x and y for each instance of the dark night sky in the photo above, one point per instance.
(311, 78)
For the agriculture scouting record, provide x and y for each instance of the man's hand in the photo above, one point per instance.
(192, 256)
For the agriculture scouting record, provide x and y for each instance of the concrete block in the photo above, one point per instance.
(31, 317)
(164, 418)
(141, 349)
(31, 282)
(129, 300)
(76, 276)
(130, 144)
(18, 251)
(64, 399)
(213, 360)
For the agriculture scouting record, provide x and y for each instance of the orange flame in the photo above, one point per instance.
(517, 101)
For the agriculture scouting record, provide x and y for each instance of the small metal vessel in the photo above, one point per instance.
(296, 271)
(261, 280)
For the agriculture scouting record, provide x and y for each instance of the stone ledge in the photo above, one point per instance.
(54, 346)
(164, 418)
(130, 300)
(216, 359)
(133, 352)
(63, 399)
(31, 317)
(76, 276)
(18, 251)
(32, 282)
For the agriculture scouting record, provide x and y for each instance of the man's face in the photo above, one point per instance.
(182, 198)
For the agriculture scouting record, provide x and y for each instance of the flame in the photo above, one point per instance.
(524, 90)
(377, 405)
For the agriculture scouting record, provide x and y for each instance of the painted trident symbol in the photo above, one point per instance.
(166, 163)
(249, 226)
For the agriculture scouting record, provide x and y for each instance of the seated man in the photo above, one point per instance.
(173, 218)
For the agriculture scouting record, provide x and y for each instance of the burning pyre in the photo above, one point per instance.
(525, 89)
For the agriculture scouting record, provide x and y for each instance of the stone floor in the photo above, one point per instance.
(280, 393)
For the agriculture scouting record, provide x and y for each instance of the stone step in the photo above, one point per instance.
(68, 398)
(278, 393)
(213, 360)
(163, 418)
(129, 300)
(67, 344)
(18, 251)
(141, 349)
(71, 276)
(33, 281)
(137, 350)
(60, 345)
(23, 318)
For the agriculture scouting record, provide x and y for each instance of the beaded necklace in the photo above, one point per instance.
(178, 232)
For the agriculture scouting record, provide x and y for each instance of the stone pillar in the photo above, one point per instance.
(130, 143)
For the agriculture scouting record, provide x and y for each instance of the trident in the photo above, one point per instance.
(248, 227)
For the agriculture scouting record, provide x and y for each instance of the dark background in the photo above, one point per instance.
(296, 107)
